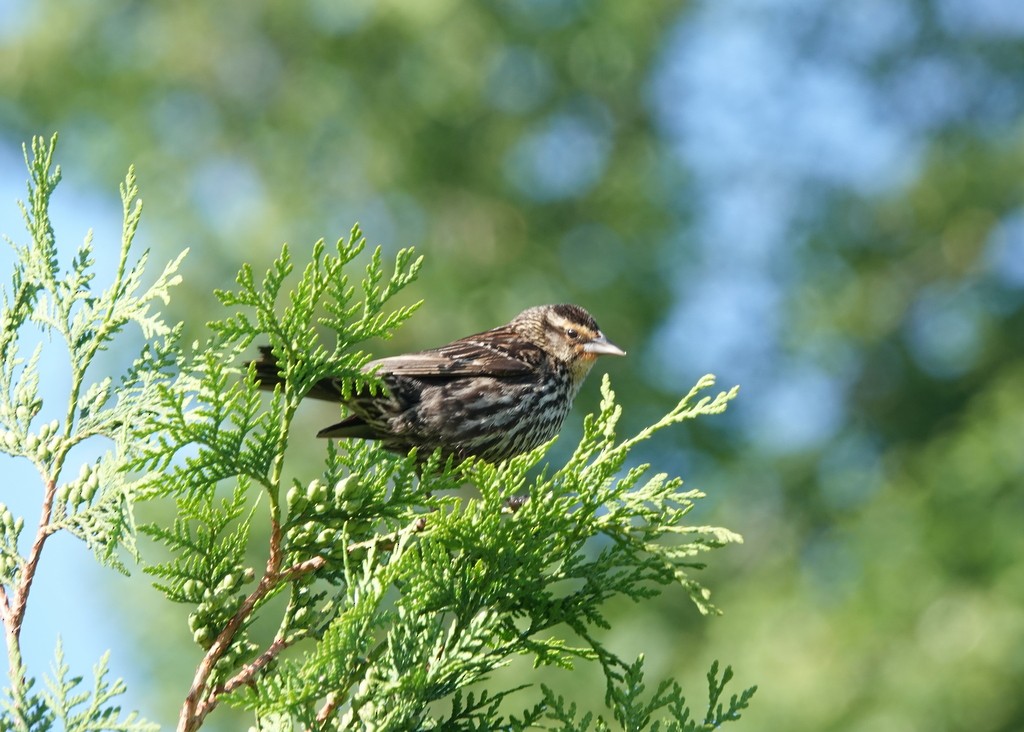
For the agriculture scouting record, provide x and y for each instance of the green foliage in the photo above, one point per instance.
(228, 428)
(632, 711)
(207, 541)
(44, 303)
(83, 711)
(397, 585)
(406, 592)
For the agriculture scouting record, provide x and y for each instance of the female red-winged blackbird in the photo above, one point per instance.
(492, 395)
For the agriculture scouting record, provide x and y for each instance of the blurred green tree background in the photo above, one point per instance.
(820, 201)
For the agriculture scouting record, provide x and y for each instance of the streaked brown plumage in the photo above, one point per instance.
(492, 395)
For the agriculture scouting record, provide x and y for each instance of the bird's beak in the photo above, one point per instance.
(602, 345)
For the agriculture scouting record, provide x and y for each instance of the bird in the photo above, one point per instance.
(491, 396)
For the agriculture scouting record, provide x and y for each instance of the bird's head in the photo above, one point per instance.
(568, 333)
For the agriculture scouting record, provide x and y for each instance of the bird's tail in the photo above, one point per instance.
(353, 426)
(268, 375)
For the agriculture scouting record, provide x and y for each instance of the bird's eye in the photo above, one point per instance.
(572, 333)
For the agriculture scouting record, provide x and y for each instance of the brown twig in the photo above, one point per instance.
(198, 704)
(297, 570)
(16, 616)
(13, 607)
(248, 673)
(388, 543)
(328, 709)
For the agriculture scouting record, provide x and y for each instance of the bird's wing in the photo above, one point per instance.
(498, 352)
